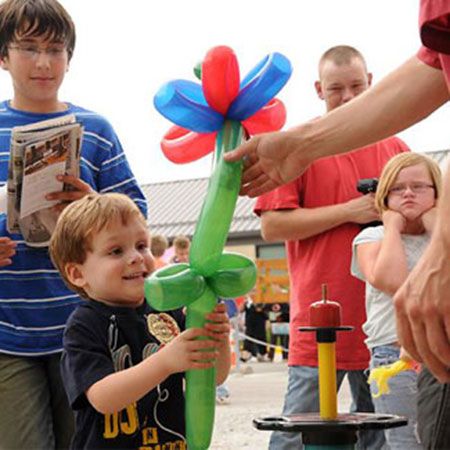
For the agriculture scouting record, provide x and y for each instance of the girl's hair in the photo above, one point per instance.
(81, 221)
(32, 18)
(392, 169)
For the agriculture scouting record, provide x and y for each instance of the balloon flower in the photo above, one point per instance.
(216, 115)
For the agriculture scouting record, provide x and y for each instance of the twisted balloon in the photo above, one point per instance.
(218, 114)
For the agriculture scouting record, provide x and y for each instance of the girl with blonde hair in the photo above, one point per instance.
(406, 199)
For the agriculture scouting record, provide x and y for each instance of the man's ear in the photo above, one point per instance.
(318, 86)
(75, 274)
(369, 78)
(4, 63)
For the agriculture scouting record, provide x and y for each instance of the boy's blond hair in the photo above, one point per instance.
(35, 18)
(341, 55)
(392, 169)
(80, 221)
(159, 245)
(181, 242)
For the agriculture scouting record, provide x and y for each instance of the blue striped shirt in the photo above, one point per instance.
(34, 301)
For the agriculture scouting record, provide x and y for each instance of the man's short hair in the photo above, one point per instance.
(341, 55)
(159, 245)
(33, 18)
(81, 221)
(181, 242)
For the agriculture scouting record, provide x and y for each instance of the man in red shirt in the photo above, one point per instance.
(403, 98)
(318, 215)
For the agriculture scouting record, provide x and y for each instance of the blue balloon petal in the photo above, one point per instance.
(262, 83)
(183, 103)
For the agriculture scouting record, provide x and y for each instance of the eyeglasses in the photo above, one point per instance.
(31, 51)
(415, 188)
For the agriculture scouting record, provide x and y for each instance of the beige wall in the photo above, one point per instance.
(247, 250)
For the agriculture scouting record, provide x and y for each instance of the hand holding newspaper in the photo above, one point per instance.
(40, 152)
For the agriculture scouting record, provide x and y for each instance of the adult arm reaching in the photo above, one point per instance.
(401, 99)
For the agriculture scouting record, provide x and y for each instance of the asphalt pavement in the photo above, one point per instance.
(258, 393)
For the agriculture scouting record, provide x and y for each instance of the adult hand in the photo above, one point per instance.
(7, 251)
(79, 190)
(270, 160)
(422, 307)
(362, 209)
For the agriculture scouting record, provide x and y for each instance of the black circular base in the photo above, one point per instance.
(317, 431)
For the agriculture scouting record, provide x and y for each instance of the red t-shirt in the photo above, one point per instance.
(434, 22)
(325, 258)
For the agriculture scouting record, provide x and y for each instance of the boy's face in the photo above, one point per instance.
(340, 84)
(182, 254)
(115, 269)
(37, 67)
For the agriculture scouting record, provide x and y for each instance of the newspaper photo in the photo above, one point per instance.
(40, 152)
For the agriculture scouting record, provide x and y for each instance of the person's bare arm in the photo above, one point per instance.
(118, 390)
(303, 223)
(383, 263)
(403, 98)
(423, 302)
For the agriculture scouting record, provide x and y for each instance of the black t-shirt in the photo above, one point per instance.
(100, 340)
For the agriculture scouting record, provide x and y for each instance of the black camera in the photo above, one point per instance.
(367, 185)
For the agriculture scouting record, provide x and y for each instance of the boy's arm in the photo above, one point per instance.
(303, 223)
(117, 390)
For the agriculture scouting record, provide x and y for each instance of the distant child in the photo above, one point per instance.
(37, 42)
(159, 246)
(123, 362)
(181, 245)
(406, 197)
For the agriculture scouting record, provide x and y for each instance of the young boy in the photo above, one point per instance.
(37, 39)
(122, 362)
(181, 245)
(159, 246)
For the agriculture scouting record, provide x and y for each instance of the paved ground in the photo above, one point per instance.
(256, 394)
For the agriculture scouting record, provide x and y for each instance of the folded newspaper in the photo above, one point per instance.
(40, 152)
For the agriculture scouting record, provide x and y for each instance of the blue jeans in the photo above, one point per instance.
(401, 400)
(303, 396)
(34, 411)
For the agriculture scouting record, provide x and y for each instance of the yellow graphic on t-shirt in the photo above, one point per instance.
(125, 421)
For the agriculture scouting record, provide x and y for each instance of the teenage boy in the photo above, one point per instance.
(37, 40)
(318, 215)
(122, 362)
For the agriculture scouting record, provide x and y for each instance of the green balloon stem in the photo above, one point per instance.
(217, 212)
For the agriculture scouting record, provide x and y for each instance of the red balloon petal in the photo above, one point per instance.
(220, 78)
(180, 145)
(271, 117)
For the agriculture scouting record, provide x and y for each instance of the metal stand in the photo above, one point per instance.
(319, 434)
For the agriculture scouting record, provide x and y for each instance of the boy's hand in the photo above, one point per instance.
(80, 190)
(218, 325)
(187, 352)
(7, 251)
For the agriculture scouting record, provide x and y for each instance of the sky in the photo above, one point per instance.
(126, 50)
